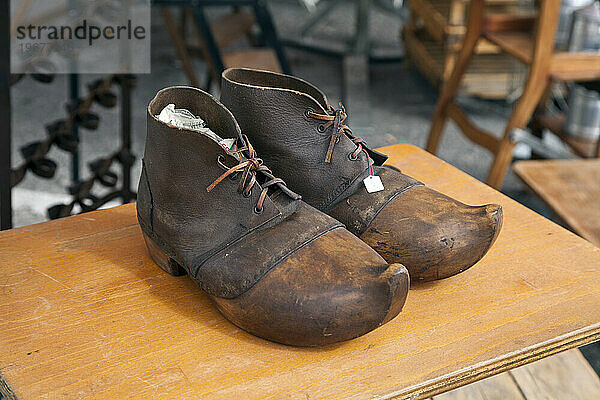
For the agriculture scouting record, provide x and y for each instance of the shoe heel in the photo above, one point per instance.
(161, 258)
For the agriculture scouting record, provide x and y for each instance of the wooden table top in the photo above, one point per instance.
(571, 188)
(85, 313)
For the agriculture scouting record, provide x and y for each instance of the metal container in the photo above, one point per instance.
(567, 7)
(585, 29)
(583, 118)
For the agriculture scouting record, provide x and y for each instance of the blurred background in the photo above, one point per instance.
(76, 140)
(390, 97)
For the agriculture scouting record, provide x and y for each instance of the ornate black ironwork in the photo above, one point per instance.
(101, 173)
(63, 134)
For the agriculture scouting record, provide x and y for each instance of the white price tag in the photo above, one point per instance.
(373, 184)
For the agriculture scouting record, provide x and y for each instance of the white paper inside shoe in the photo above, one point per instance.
(182, 118)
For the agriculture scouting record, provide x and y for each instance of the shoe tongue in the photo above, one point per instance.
(185, 119)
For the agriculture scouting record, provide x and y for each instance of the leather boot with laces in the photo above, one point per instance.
(272, 264)
(305, 141)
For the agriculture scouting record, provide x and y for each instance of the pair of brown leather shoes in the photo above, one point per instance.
(274, 265)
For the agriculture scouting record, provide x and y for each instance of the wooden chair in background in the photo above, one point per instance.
(531, 41)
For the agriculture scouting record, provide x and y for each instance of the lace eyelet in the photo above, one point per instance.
(351, 157)
(247, 195)
(220, 159)
(257, 211)
(321, 128)
(307, 112)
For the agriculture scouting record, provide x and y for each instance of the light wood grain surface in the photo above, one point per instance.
(84, 313)
(571, 188)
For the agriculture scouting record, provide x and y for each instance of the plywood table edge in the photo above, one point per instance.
(498, 365)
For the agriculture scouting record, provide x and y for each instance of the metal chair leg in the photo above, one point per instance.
(265, 21)
(318, 16)
(210, 45)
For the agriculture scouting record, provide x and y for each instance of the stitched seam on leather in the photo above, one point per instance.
(398, 193)
(211, 253)
(145, 170)
(171, 251)
(286, 255)
(337, 192)
(333, 195)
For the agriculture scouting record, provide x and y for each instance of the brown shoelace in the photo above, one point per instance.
(336, 118)
(249, 167)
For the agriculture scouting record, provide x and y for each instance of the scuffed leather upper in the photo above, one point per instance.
(218, 235)
(361, 208)
(271, 108)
